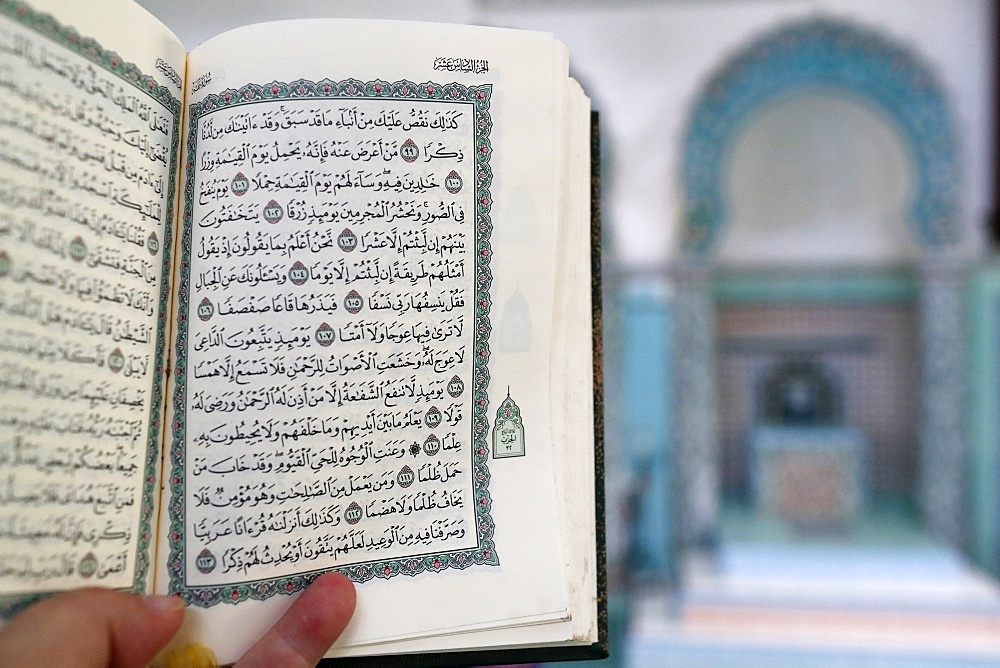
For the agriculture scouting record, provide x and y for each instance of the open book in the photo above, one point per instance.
(314, 296)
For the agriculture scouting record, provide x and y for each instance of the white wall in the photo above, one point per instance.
(644, 62)
(644, 65)
(819, 177)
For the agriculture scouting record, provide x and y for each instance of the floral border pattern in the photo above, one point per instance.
(479, 97)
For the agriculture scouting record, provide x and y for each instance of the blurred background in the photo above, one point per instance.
(802, 312)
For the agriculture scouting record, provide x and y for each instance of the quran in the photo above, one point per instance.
(317, 295)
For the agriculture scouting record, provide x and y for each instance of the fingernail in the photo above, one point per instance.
(165, 603)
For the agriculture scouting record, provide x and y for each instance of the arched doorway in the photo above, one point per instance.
(886, 94)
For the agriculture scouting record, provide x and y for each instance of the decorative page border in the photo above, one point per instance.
(109, 61)
(485, 553)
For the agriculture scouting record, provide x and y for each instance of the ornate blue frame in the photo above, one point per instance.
(831, 54)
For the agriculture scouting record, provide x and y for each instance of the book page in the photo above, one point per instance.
(573, 337)
(573, 435)
(89, 138)
(364, 324)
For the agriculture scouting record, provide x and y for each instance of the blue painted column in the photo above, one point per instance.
(984, 406)
(696, 432)
(646, 347)
(944, 442)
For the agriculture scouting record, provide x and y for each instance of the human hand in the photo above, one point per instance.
(94, 628)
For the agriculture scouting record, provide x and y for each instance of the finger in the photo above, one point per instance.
(308, 628)
(91, 627)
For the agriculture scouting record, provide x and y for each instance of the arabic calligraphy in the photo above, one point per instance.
(85, 192)
(332, 292)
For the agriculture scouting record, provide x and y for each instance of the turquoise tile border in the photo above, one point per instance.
(805, 286)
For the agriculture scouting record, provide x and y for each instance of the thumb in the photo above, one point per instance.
(308, 628)
(91, 627)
